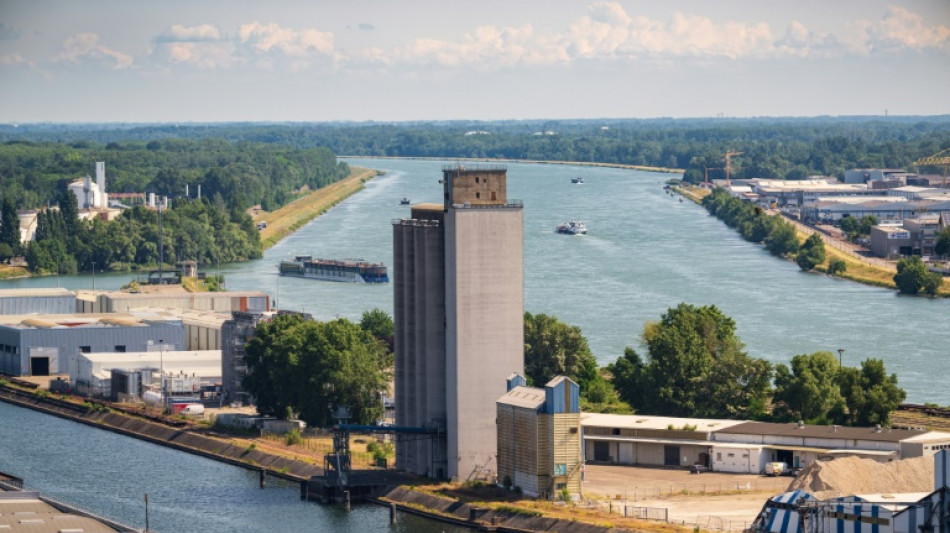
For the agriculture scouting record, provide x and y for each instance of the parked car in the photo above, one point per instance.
(698, 469)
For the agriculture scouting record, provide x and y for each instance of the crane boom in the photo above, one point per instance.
(937, 160)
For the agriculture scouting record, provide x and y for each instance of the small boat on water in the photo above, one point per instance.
(578, 180)
(574, 227)
(404, 201)
(351, 270)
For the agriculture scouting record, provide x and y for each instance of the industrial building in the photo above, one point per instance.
(866, 175)
(169, 297)
(202, 328)
(47, 301)
(44, 344)
(743, 447)
(184, 372)
(235, 332)
(458, 314)
(90, 196)
(801, 512)
(539, 439)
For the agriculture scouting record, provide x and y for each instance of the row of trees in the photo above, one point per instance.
(694, 366)
(237, 174)
(753, 223)
(196, 230)
(773, 147)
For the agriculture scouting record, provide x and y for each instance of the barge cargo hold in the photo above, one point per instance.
(349, 270)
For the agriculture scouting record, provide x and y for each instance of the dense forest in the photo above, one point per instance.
(782, 148)
(237, 174)
(215, 229)
(196, 230)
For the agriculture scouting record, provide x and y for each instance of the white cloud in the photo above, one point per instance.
(11, 59)
(185, 34)
(900, 29)
(273, 39)
(85, 47)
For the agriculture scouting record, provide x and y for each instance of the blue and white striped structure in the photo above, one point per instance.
(781, 513)
(942, 470)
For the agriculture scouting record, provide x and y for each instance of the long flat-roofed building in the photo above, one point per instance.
(25, 301)
(742, 446)
(42, 344)
(458, 313)
(171, 297)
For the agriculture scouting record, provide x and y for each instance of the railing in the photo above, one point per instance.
(511, 203)
(646, 513)
(415, 222)
(476, 167)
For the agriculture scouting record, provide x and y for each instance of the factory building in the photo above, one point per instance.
(743, 447)
(202, 328)
(539, 439)
(47, 301)
(169, 297)
(42, 344)
(89, 195)
(235, 332)
(458, 314)
(184, 372)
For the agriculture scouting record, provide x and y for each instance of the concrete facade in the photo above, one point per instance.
(458, 313)
(123, 302)
(235, 332)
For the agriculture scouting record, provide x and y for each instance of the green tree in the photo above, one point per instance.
(942, 243)
(870, 394)
(553, 348)
(811, 253)
(912, 276)
(313, 368)
(380, 325)
(9, 227)
(808, 390)
(850, 226)
(696, 367)
(836, 266)
(866, 223)
(782, 239)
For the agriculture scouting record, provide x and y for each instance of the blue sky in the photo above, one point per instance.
(386, 60)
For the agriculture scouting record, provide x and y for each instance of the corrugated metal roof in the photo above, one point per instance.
(654, 422)
(39, 292)
(827, 432)
(527, 397)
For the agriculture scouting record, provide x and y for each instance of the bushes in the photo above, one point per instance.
(752, 222)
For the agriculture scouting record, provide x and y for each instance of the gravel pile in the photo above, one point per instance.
(853, 475)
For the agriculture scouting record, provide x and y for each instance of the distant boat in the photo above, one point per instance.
(574, 227)
(404, 201)
(578, 180)
(352, 270)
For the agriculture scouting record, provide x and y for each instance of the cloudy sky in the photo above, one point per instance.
(385, 60)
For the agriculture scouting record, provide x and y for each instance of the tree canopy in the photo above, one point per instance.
(912, 277)
(312, 368)
(811, 253)
(696, 367)
(808, 390)
(870, 394)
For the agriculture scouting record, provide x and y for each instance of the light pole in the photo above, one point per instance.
(840, 353)
(161, 370)
(93, 275)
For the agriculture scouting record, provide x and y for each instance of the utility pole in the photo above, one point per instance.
(840, 353)
(93, 275)
(161, 247)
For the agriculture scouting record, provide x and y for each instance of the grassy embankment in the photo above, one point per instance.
(294, 215)
(856, 270)
(12, 272)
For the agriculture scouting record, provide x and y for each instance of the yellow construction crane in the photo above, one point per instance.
(706, 174)
(729, 155)
(941, 158)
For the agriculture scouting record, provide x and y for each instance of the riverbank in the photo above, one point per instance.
(200, 441)
(533, 161)
(858, 268)
(289, 218)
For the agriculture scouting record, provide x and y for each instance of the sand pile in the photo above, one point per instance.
(854, 475)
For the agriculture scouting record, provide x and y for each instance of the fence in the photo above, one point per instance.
(646, 513)
(636, 493)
